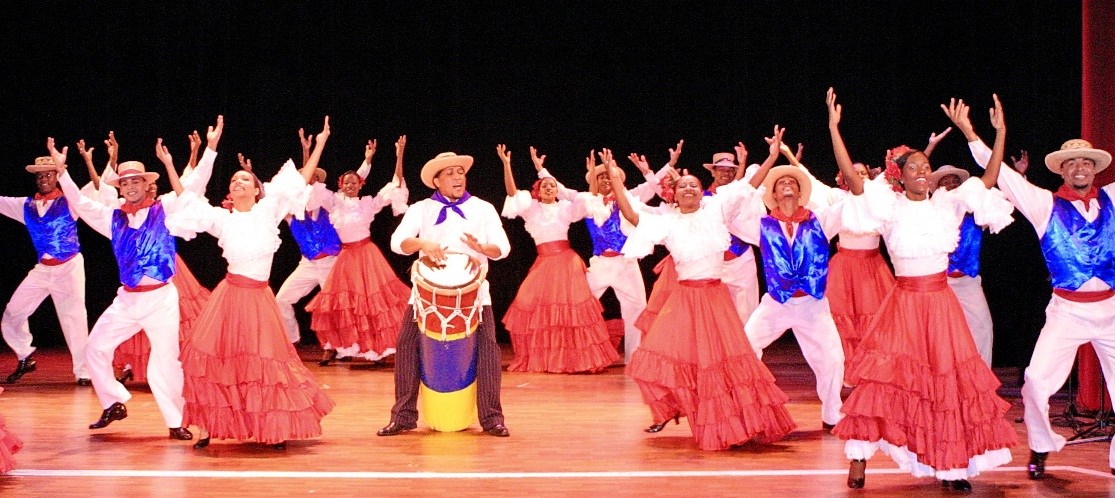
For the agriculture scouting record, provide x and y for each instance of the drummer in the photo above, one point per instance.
(451, 220)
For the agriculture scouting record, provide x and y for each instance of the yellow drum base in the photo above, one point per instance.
(448, 412)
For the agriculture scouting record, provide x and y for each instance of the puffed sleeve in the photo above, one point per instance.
(869, 211)
(651, 230)
(189, 214)
(989, 206)
(515, 205)
(285, 194)
(395, 194)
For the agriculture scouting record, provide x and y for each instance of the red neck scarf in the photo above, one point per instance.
(1069, 194)
(132, 209)
(49, 196)
(798, 216)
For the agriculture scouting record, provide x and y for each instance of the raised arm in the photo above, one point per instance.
(741, 160)
(195, 146)
(315, 157)
(400, 148)
(843, 160)
(619, 189)
(508, 175)
(163, 154)
(113, 149)
(991, 173)
(87, 155)
(935, 139)
(369, 153)
(775, 146)
(97, 215)
(306, 142)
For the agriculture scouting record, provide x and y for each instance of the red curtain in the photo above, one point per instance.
(1096, 126)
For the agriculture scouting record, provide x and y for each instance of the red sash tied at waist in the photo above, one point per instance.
(957, 274)
(145, 288)
(704, 282)
(553, 247)
(1084, 296)
(56, 262)
(922, 283)
(608, 253)
(354, 245)
(245, 282)
(858, 253)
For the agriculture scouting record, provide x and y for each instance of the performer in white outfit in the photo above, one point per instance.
(1075, 226)
(740, 274)
(59, 272)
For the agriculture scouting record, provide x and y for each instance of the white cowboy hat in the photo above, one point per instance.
(944, 171)
(44, 163)
(440, 162)
(1077, 148)
(722, 160)
(780, 171)
(129, 169)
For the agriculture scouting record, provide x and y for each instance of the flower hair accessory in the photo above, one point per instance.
(893, 171)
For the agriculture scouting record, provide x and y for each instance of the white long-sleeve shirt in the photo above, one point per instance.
(544, 222)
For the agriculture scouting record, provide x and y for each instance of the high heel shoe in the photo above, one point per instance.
(857, 474)
(202, 443)
(662, 425)
(327, 357)
(125, 376)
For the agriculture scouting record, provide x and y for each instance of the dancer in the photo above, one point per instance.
(740, 273)
(451, 220)
(923, 394)
(692, 362)
(319, 245)
(244, 379)
(555, 322)
(964, 266)
(1075, 225)
(10, 444)
(59, 272)
(358, 311)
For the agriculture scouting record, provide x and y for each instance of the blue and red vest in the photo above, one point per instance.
(1075, 249)
(607, 236)
(53, 233)
(315, 237)
(801, 266)
(965, 259)
(145, 251)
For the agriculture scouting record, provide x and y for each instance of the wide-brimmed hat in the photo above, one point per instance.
(590, 176)
(44, 163)
(442, 161)
(780, 171)
(722, 160)
(320, 174)
(944, 171)
(129, 169)
(1077, 148)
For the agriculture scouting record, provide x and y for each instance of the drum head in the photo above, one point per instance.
(459, 270)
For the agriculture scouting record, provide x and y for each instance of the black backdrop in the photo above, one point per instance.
(565, 78)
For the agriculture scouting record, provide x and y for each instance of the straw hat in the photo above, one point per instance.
(944, 171)
(1077, 148)
(601, 169)
(440, 162)
(44, 163)
(129, 169)
(722, 160)
(780, 171)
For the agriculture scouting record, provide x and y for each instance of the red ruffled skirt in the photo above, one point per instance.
(920, 382)
(663, 286)
(858, 281)
(361, 303)
(244, 379)
(696, 362)
(9, 445)
(556, 324)
(192, 296)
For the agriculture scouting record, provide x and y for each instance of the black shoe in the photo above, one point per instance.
(827, 426)
(393, 429)
(327, 357)
(1037, 464)
(115, 412)
(181, 434)
(125, 376)
(84, 382)
(498, 430)
(662, 425)
(961, 485)
(202, 443)
(25, 366)
(857, 474)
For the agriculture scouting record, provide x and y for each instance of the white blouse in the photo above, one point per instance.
(544, 222)
(352, 216)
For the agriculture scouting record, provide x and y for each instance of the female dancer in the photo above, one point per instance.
(692, 362)
(923, 394)
(244, 380)
(555, 322)
(358, 311)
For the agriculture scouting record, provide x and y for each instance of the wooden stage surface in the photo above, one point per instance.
(570, 435)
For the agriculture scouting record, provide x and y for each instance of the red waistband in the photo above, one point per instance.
(705, 282)
(359, 243)
(922, 283)
(957, 274)
(608, 253)
(145, 287)
(858, 253)
(56, 262)
(244, 282)
(1084, 296)
(553, 247)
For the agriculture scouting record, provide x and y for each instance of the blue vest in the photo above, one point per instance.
(315, 237)
(965, 258)
(145, 251)
(607, 236)
(1076, 250)
(736, 246)
(803, 266)
(53, 233)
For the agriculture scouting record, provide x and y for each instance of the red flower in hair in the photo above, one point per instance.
(894, 171)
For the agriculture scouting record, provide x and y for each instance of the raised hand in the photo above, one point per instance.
(640, 162)
(675, 153)
(400, 146)
(213, 134)
(245, 164)
(59, 157)
(801, 149)
(835, 110)
(998, 121)
(934, 139)
(306, 143)
(504, 155)
(539, 161)
(86, 154)
(369, 148)
(113, 149)
(163, 154)
(775, 141)
(957, 111)
(590, 161)
(1021, 164)
(195, 146)
(741, 155)
(324, 135)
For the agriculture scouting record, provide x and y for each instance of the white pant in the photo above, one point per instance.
(856, 449)
(310, 273)
(1068, 324)
(156, 312)
(969, 291)
(65, 284)
(743, 283)
(811, 320)
(624, 277)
